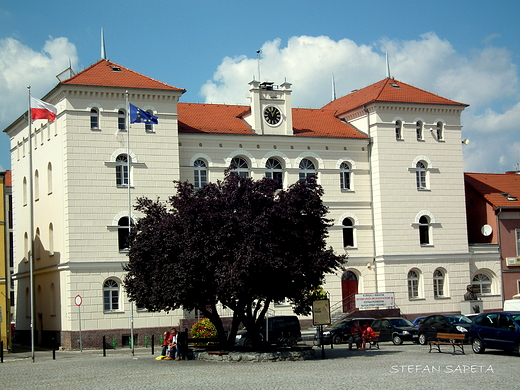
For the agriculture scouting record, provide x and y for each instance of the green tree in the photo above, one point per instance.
(238, 242)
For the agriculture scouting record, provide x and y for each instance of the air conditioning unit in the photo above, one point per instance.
(513, 261)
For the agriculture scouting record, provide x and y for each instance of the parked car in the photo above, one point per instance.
(339, 332)
(497, 330)
(396, 329)
(418, 321)
(443, 323)
(281, 329)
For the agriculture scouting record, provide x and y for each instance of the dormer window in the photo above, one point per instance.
(115, 68)
(509, 197)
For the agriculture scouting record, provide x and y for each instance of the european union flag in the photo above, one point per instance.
(140, 116)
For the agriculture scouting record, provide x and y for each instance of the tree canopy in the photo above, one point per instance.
(238, 242)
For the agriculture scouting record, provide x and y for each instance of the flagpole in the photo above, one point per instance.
(129, 210)
(31, 227)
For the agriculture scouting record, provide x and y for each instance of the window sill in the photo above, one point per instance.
(424, 189)
(440, 298)
(427, 245)
(346, 190)
(350, 247)
(416, 299)
(113, 312)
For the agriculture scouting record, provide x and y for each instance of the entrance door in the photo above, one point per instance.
(349, 287)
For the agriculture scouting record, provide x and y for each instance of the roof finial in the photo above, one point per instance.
(333, 88)
(103, 51)
(388, 75)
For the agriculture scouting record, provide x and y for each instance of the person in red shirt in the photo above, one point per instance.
(166, 343)
(355, 335)
(367, 335)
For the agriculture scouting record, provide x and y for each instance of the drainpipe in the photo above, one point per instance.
(501, 258)
(371, 195)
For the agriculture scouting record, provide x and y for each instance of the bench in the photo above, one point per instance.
(456, 340)
(374, 342)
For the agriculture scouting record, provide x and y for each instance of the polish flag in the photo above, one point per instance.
(42, 110)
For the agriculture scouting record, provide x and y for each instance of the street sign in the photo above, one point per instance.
(321, 312)
(78, 300)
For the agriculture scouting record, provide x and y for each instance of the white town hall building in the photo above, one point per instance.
(389, 157)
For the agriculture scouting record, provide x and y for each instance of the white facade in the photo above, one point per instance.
(78, 205)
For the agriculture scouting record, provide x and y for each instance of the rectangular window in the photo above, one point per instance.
(200, 178)
(517, 242)
(413, 288)
(345, 180)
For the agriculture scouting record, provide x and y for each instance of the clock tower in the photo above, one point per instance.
(271, 108)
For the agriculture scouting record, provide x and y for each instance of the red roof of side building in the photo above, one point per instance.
(499, 189)
(105, 73)
(387, 90)
(229, 119)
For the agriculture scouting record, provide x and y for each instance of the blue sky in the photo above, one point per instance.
(467, 51)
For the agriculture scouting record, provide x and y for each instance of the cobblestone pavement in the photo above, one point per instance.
(407, 366)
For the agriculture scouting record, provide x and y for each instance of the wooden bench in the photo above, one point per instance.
(374, 342)
(456, 340)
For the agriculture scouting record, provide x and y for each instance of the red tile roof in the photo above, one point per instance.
(226, 119)
(387, 90)
(492, 185)
(212, 118)
(105, 73)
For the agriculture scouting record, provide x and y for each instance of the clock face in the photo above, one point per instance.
(272, 115)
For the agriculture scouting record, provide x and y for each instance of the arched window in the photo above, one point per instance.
(345, 176)
(348, 232)
(413, 284)
(274, 171)
(37, 245)
(420, 175)
(438, 283)
(36, 185)
(307, 169)
(123, 232)
(51, 239)
(440, 131)
(110, 295)
(53, 299)
(121, 120)
(424, 230)
(49, 179)
(200, 174)
(94, 119)
(419, 130)
(398, 130)
(481, 284)
(148, 126)
(24, 190)
(239, 166)
(122, 170)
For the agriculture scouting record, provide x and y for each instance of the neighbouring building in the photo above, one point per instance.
(6, 290)
(389, 157)
(493, 209)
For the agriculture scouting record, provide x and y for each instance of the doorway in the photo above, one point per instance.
(349, 287)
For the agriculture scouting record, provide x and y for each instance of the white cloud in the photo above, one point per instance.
(486, 79)
(21, 66)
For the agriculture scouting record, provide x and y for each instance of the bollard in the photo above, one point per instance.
(114, 343)
(153, 339)
(53, 349)
(104, 346)
(1, 351)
